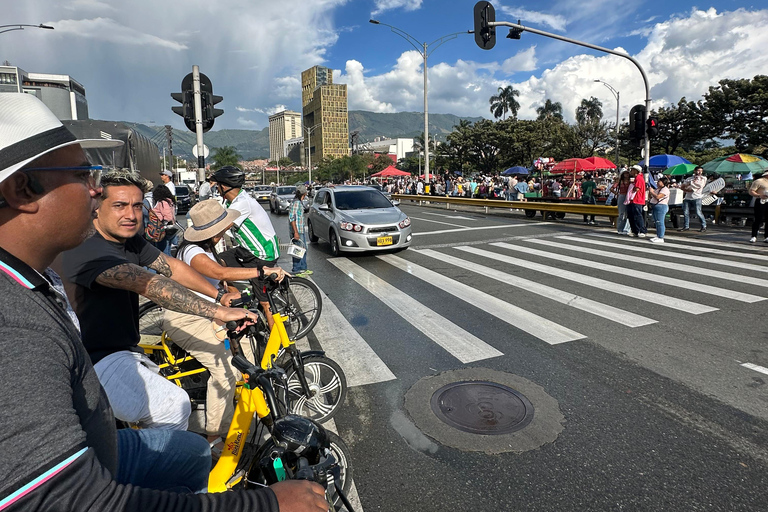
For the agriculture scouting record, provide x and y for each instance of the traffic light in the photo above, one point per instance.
(187, 108)
(652, 127)
(485, 35)
(209, 112)
(637, 124)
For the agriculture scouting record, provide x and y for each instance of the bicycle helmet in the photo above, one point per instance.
(229, 176)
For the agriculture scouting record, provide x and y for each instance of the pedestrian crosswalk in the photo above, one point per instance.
(548, 290)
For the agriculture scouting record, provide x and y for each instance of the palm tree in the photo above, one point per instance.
(504, 102)
(550, 110)
(225, 155)
(590, 111)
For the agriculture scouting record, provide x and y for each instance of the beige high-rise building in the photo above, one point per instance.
(283, 126)
(324, 107)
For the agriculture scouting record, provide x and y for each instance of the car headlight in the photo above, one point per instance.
(405, 222)
(349, 226)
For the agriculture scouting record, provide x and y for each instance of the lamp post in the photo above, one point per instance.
(20, 26)
(423, 49)
(616, 94)
(308, 145)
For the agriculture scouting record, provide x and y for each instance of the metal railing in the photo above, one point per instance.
(530, 207)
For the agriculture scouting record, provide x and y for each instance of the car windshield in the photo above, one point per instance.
(284, 191)
(361, 200)
(182, 190)
(263, 188)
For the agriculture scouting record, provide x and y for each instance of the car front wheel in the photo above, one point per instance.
(311, 232)
(335, 248)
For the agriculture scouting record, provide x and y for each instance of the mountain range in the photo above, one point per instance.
(254, 144)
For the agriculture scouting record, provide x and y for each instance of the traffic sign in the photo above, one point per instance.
(206, 151)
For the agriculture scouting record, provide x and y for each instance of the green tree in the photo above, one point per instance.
(738, 110)
(504, 102)
(285, 162)
(225, 155)
(589, 111)
(550, 110)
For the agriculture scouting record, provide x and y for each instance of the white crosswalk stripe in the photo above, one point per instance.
(747, 251)
(590, 306)
(459, 343)
(343, 344)
(639, 274)
(669, 251)
(692, 285)
(627, 291)
(535, 325)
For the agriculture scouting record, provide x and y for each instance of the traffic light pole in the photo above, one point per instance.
(647, 150)
(199, 124)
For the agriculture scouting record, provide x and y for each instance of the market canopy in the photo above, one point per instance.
(518, 169)
(679, 170)
(390, 171)
(573, 165)
(664, 161)
(601, 163)
(738, 163)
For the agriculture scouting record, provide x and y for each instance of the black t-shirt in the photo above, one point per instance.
(109, 318)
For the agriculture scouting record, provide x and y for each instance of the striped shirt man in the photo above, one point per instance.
(254, 229)
(296, 214)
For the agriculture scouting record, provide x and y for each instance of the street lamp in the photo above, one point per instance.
(308, 145)
(20, 26)
(616, 94)
(422, 48)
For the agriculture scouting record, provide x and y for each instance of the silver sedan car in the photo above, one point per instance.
(357, 219)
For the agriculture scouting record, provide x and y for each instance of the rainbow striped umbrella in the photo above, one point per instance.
(739, 163)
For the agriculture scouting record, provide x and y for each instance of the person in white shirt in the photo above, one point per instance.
(660, 207)
(694, 190)
(167, 178)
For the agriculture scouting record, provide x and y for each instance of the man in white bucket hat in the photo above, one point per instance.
(60, 447)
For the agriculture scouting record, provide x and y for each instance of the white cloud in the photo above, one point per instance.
(92, 5)
(247, 123)
(524, 60)
(266, 111)
(526, 17)
(108, 30)
(386, 5)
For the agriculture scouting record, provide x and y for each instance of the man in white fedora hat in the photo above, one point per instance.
(60, 448)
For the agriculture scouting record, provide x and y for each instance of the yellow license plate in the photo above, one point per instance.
(384, 240)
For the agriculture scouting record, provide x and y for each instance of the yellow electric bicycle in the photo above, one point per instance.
(297, 447)
(315, 386)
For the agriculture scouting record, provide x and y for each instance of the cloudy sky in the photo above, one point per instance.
(131, 55)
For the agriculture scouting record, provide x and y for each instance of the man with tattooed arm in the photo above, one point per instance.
(108, 274)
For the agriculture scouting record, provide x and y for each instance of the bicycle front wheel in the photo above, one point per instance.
(301, 303)
(151, 319)
(327, 385)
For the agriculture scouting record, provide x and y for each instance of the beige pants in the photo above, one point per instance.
(197, 336)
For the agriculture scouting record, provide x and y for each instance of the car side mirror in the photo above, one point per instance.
(324, 207)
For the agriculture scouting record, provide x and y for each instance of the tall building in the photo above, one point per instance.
(64, 95)
(283, 126)
(324, 106)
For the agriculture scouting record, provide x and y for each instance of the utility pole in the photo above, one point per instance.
(169, 142)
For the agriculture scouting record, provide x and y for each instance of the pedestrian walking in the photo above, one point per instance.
(694, 191)
(299, 230)
(588, 196)
(659, 208)
(635, 201)
(759, 190)
(621, 187)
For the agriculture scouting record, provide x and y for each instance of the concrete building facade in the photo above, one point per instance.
(64, 95)
(283, 126)
(326, 119)
(399, 147)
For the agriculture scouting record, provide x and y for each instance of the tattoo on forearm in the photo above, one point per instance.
(171, 295)
(161, 266)
(124, 276)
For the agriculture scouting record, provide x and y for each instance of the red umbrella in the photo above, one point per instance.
(390, 171)
(601, 163)
(573, 165)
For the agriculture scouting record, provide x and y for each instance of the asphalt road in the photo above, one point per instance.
(645, 366)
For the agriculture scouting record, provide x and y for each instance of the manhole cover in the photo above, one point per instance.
(482, 407)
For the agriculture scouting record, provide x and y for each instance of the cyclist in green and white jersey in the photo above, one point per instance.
(253, 229)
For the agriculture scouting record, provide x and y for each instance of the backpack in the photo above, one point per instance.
(154, 231)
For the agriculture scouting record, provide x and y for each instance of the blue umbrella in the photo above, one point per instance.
(664, 161)
(515, 170)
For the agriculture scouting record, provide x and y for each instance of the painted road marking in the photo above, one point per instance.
(646, 276)
(439, 222)
(535, 325)
(477, 228)
(456, 341)
(590, 306)
(757, 251)
(449, 216)
(602, 284)
(761, 369)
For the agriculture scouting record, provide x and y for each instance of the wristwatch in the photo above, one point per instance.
(220, 295)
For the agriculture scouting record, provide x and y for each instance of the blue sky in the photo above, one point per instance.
(131, 55)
